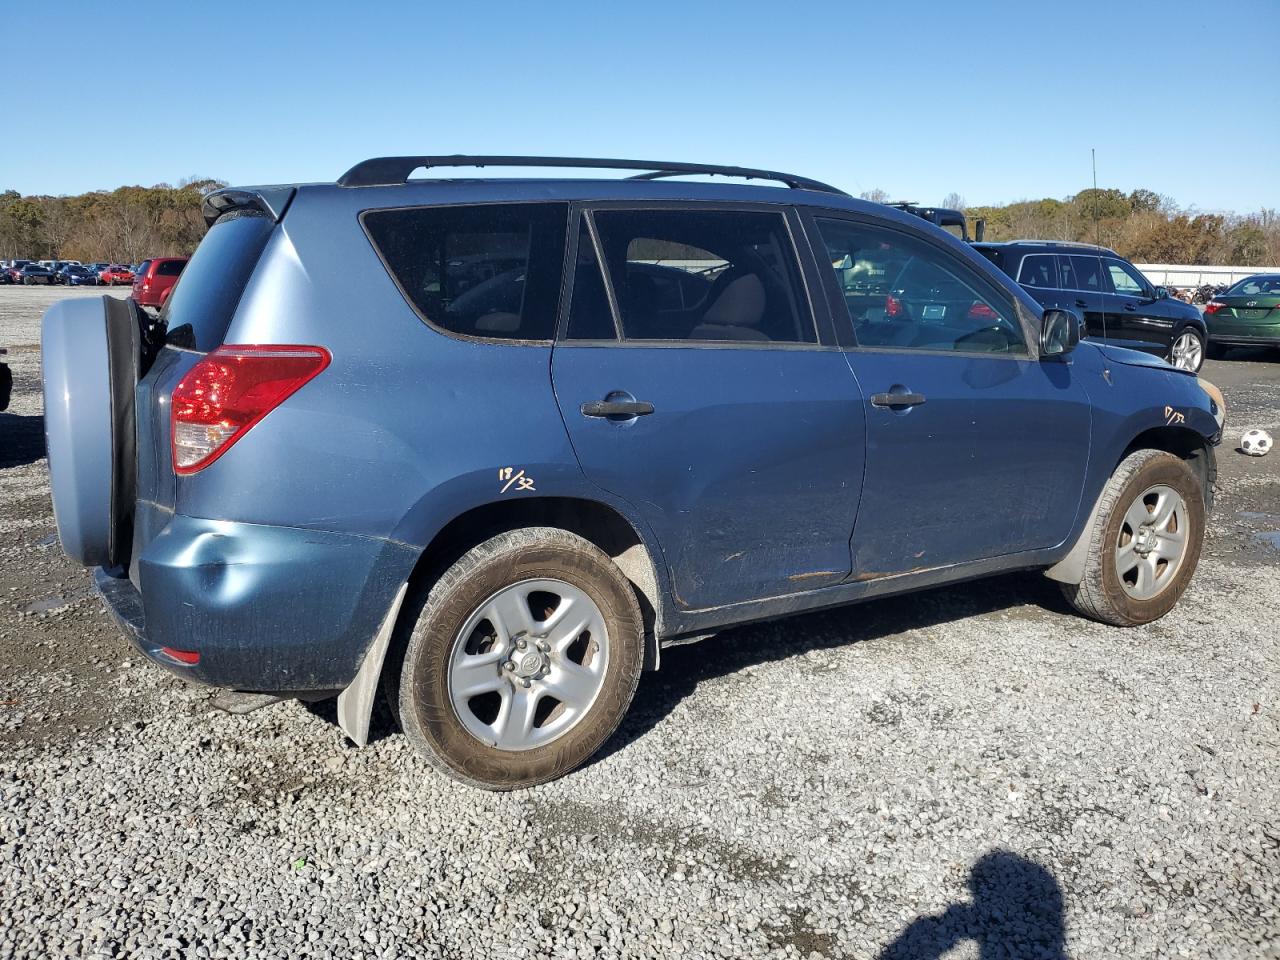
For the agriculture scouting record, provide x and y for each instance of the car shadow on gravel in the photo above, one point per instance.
(1016, 911)
(683, 668)
(21, 439)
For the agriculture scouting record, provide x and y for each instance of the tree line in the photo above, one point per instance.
(1143, 226)
(133, 223)
(127, 225)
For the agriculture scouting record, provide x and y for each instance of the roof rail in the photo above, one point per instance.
(1071, 243)
(385, 171)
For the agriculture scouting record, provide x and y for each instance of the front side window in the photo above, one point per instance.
(1039, 270)
(902, 293)
(724, 276)
(489, 270)
(1126, 280)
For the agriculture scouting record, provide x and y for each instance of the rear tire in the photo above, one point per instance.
(1145, 543)
(490, 624)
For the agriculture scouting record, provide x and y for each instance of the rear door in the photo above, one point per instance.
(1082, 291)
(694, 384)
(975, 448)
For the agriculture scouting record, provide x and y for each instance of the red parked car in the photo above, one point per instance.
(155, 279)
(115, 274)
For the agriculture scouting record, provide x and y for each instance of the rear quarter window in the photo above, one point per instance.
(203, 302)
(490, 270)
(170, 268)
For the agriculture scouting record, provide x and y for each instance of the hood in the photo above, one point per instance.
(1136, 358)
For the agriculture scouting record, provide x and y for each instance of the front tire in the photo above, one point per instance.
(1145, 542)
(523, 660)
(1187, 350)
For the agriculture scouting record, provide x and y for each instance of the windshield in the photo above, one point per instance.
(1267, 285)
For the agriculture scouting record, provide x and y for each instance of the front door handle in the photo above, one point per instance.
(1082, 304)
(1130, 306)
(897, 399)
(616, 408)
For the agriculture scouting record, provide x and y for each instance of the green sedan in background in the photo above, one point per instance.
(1247, 315)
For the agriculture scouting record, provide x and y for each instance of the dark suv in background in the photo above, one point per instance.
(1117, 303)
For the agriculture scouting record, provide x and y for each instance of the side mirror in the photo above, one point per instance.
(1059, 333)
(1162, 293)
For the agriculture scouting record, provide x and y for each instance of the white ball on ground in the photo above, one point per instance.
(1256, 443)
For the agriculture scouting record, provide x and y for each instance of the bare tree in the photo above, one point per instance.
(953, 201)
(876, 195)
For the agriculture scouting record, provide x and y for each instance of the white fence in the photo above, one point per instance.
(1183, 275)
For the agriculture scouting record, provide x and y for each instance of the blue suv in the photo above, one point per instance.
(488, 445)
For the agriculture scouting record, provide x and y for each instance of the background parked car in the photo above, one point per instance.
(6, 382)
(154, 280)
(115, 274)
(76, 276)
(1117, 303)
(35, 273)
(1245, 315)
(98, 267)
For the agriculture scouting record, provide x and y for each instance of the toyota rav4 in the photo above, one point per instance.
(489, 445)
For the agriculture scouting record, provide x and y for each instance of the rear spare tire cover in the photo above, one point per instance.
(90, 353)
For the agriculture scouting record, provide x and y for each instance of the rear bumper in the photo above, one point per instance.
(266, 608)
(1261, 338)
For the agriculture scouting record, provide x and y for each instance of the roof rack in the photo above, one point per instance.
(385, 171)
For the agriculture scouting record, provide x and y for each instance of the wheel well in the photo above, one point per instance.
(1185, 444)
(589, 519)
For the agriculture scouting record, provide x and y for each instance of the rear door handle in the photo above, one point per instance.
(1130, 306)
(1082, 303)
(616, 408)
(897, 399)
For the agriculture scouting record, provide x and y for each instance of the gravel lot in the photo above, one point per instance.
(966, 771)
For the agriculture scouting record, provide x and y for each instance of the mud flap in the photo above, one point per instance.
(355, 703)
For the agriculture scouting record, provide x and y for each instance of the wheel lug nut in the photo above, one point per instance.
(525, 683)
(522, 644)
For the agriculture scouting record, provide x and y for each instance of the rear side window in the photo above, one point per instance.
(1039, 270)
(725, 276)
(204, 300)
(491, 270)
(1081, 273)
(171, 268)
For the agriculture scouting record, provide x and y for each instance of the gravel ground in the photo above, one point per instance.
(968, 771)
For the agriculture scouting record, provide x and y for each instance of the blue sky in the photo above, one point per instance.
(995, 101)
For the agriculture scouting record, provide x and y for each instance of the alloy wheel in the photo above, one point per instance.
(528, 664)
(1187, 352)
(1152, 542)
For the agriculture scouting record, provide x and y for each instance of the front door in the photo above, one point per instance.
(1134, 316)
(975, 448)
(694, 386)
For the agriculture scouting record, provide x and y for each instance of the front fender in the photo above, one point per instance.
(1138, 405)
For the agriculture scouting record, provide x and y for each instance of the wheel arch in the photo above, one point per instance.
(599, 523)
(1183, 442)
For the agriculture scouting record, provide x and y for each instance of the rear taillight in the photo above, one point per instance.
(981, 311)
(230, 390)
(892, 306)
(1213, 306)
